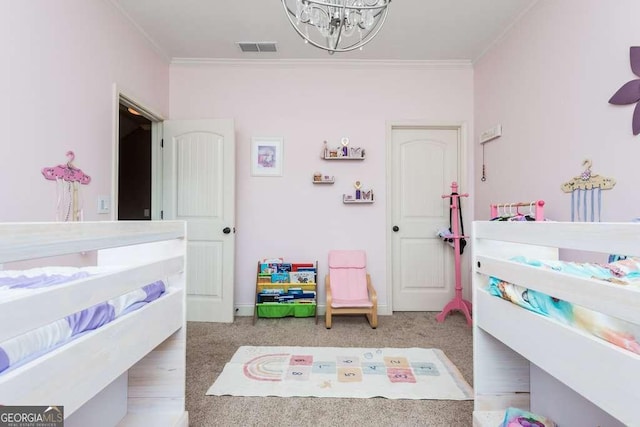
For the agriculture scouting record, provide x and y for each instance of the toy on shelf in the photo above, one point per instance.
(360, 196)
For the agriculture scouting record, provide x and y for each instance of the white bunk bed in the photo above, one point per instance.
(130, 371)
(525, 360)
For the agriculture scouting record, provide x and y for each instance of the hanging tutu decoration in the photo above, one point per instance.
(68, 178)
(584, 190)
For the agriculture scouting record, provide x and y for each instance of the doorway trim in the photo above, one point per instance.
(462, 180)
(120, 97)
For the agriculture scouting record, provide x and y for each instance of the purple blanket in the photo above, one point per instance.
(21, 349)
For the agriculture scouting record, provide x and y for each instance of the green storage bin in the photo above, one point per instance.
(285, 310)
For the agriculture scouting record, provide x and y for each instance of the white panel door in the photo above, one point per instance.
(424, 162)
(199, 187)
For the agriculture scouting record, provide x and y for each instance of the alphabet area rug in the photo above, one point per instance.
(393, 373)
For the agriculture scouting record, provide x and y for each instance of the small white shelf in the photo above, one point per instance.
(355, 201)
(325, 181)
(344, 158)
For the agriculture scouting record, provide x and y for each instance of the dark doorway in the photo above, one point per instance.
(134, 165)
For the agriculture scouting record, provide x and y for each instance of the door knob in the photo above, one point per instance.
(396, 228)
(226, 230)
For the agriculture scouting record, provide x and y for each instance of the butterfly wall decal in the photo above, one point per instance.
(629, 93)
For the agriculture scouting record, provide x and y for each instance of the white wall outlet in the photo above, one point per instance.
(490, 134)
(104, 204)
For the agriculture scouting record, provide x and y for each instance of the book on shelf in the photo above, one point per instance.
(302, 277)
(274, 267)
(272, 260)
(272, 291)
(283, 268)
(298, 266)
(280, 278)
(305, 295)
(267, 298)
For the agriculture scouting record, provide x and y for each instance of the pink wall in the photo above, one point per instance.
(63, 58)
(306, 104)
(548, 83)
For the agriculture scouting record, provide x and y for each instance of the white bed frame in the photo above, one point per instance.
(130, 371)
(525, 360)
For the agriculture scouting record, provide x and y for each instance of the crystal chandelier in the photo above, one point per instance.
(337, 25)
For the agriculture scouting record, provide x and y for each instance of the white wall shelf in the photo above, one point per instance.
(325, 181)
(344, 158)
(355, 201)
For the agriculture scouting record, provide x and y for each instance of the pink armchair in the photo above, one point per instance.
(348, 287)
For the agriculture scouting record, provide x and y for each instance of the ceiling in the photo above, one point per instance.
(415, 29)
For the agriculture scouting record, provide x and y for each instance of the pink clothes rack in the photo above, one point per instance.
(538, 205)
(457, 303)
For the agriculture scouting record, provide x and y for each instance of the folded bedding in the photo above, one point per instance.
(616, 331)
(21, 349)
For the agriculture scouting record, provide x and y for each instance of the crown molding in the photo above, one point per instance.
(332, 63)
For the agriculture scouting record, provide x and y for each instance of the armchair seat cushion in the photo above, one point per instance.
(337, 303)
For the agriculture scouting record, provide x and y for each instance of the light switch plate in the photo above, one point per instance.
(104, 204)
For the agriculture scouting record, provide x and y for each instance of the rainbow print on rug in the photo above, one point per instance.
(393, 373)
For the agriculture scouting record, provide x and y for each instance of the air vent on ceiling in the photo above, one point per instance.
(257, 46)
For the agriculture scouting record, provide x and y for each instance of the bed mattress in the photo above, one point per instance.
(616, 331)
(26, 347)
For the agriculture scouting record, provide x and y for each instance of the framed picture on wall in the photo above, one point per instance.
(267, 156)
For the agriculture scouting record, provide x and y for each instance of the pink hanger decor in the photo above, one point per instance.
(67, 172)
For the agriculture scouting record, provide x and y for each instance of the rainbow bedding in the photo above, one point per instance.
(14, 284)
(625, 272)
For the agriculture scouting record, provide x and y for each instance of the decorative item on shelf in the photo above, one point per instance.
(345, 149)
(325, 150)
(360, 196)
(317, 177)
(357, 185)
(584, 185)
(336, 25)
